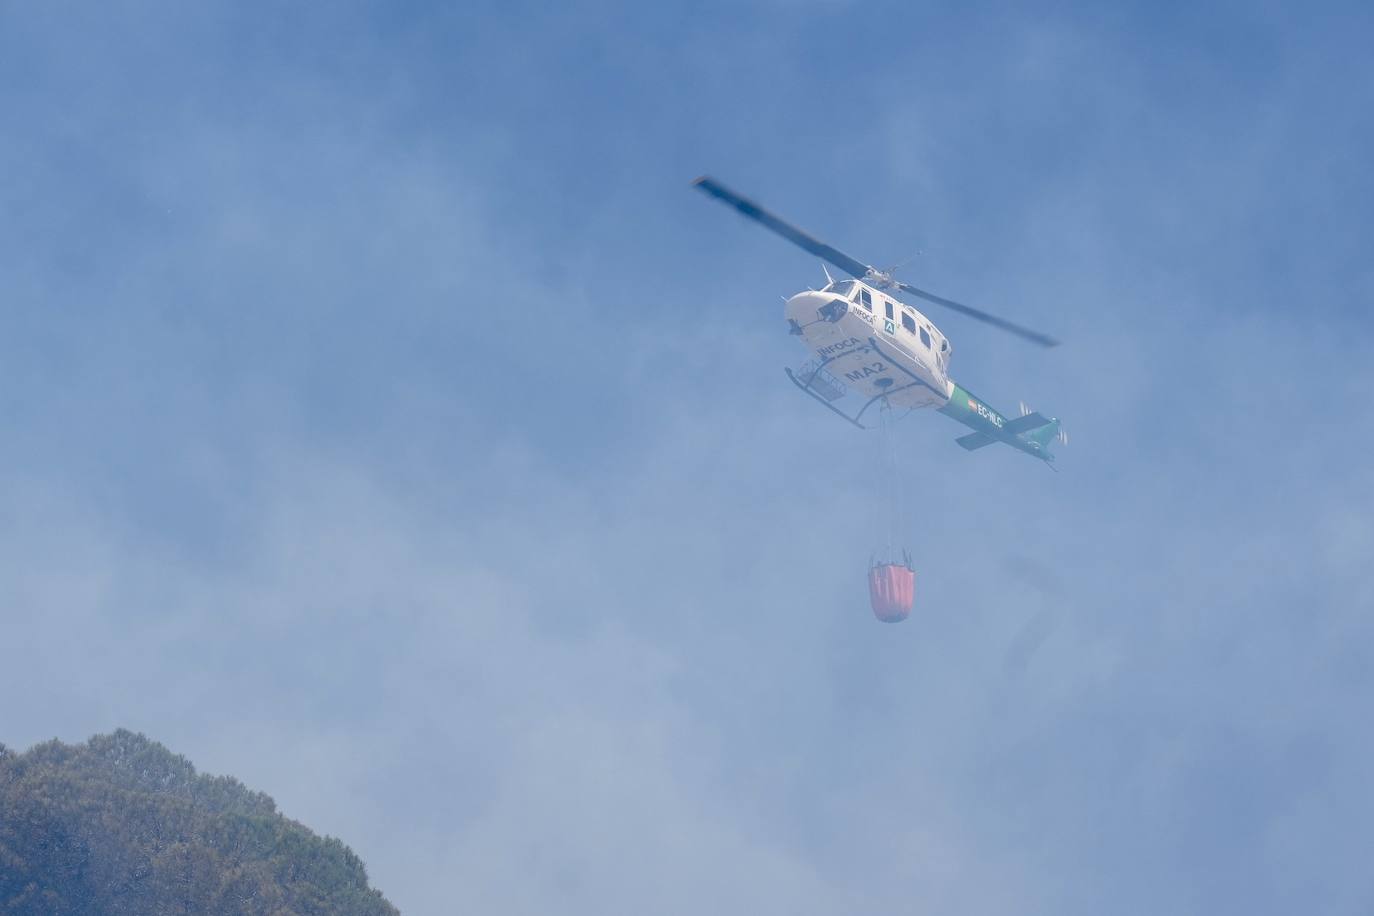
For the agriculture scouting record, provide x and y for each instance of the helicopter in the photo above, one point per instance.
(863, 337)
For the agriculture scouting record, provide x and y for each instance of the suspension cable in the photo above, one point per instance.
(888, 484)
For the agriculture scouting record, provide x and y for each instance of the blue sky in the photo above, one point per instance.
(387, 423)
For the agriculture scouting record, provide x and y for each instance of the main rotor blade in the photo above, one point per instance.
(1027, 333)
(849, 265)
(752, 210)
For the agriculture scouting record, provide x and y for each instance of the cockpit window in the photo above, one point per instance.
(841, 287)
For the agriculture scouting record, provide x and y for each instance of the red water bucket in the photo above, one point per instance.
(891, 591)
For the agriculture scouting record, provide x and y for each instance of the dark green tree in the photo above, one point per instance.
(121, 825)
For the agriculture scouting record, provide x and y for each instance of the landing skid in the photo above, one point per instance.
(815, 373)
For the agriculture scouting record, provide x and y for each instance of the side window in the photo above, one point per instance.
(909, 323)
(925, 338)
(889, 311)
(865, 299)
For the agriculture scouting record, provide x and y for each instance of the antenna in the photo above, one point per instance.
(905, 261)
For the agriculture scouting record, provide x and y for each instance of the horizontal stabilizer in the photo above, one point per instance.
(1032, 420)
(975, 440)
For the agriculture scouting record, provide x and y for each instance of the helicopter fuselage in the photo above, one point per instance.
(872, 345)
(841, 324)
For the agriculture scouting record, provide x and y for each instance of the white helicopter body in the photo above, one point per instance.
(867, 342)
(841, 324)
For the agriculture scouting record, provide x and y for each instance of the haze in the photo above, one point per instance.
(388, 424)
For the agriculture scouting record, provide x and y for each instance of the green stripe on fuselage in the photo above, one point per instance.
(974, 413)
(977, 414)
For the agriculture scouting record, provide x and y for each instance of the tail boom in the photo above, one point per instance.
(1030, 433)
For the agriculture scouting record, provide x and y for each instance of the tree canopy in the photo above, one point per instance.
(121, 825)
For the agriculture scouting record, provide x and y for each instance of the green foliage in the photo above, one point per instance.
(121, 825)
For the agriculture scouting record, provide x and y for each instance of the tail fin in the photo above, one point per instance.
(1052, 431)
(1049, 431)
